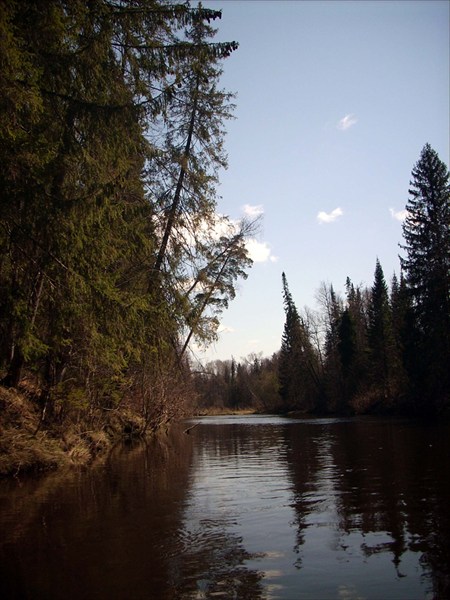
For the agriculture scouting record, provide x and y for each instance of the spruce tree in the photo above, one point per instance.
(380, 337)
(85, 89)
(353, 343)
(298, 370)
(400, 308)
(333, 376)
(426, 269)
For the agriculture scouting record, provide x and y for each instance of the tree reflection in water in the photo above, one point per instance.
(247, 508)
(214, 566)
(380, 485)
(102, 533)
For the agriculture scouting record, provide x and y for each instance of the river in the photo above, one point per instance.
(254, 507)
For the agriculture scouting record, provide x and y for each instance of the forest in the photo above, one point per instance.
(379, 350)
(114, 257)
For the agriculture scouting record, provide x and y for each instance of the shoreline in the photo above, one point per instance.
(28, 447)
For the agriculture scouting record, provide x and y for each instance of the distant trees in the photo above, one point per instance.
(251, 383)
(379, 349)
(381, 344)
(297, 363)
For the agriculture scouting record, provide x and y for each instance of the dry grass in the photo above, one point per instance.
(27, 447)
(21, 448)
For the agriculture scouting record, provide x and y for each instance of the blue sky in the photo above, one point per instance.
(335, 101)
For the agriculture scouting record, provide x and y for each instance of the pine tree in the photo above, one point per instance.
(298, 365)
(333, 376)
(400, 308)
(380, 337)
(426, 268)
(353, 344)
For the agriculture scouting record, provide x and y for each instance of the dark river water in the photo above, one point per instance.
(254, 507)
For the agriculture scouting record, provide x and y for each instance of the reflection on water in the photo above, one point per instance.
(243, 507)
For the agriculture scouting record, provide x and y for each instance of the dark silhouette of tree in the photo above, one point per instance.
(332, 374)
(399, 304)
(381, 337)
(426, 268)
(352, 345)
(298, 364)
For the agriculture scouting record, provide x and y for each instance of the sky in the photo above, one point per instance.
(334, 103)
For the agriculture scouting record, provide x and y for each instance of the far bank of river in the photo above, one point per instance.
(251, 507)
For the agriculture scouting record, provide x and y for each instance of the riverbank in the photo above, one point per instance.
(214, 411)
(28, 445)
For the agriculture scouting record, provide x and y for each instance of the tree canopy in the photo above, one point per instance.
(113, 255)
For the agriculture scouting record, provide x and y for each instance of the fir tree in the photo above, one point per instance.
(426, 268)
(380, 336)
(400, 308)
(85, 89)
(353, 344)
(333, 376)
(298, 364)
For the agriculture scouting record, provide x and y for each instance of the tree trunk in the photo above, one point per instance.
(177, 196)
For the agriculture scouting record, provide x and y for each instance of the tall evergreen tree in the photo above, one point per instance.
(426, 268)
(200, 255)
(88, 89)
(298, 364)
(400, 308)
(380, 337)
(353, 341)
(347, 352)
(333, 376)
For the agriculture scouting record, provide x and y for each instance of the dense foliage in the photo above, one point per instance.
(379, 349)
(112, 255)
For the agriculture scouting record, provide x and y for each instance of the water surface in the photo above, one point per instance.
(242, 507)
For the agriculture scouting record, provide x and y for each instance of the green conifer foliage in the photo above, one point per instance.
(426, 269)
(200, 254)
(381, 337)
(87, 190)
(298, 363)
(400, 308)
(333, 376)
(353, 346)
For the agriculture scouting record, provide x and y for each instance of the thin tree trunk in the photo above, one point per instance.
(177, 196)
(202, 308)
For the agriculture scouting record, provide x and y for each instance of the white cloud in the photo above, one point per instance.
(346, 122)
(259, 251)
(254, 343)
(253, 210)
(399, 215)
(324, 217)
(225, 329)
(212, 229)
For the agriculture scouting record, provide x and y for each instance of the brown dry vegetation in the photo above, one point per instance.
(28, 445)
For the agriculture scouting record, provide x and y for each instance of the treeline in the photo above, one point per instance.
(380, 349)
(251, 383)
(112, 256)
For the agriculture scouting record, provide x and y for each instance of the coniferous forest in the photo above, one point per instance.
(113, 258)
(383, 349)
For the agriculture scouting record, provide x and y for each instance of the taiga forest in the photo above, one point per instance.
(114, 258)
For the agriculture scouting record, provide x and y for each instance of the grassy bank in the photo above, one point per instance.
(215, 411)
(28, 445)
